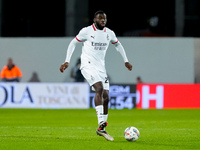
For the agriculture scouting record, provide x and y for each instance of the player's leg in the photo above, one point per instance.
(101, 131)
(106, 85)
(99, 93)
(105, 104)
(98, 100)
(105, 101)
(93, 78)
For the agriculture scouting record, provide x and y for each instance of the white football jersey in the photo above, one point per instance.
(95, 45)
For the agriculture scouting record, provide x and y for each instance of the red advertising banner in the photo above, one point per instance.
(162, 96)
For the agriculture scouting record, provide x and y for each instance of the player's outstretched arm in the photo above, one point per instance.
(128, 65)
(64, 66)
(70, 51)
(121, 50)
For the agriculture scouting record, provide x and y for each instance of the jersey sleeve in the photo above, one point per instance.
(113, 38)
(70, 49)
(82, 35)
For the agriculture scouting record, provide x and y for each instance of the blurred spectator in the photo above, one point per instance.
(34, 77)
(139, 80)
(11, 73)
(153, 29)
(76, 72)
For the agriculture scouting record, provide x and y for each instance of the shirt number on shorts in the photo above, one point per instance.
(106, 81)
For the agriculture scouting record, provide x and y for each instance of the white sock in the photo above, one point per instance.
(105, 117)
(99, 111)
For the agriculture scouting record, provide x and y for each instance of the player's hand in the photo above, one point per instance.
(128, 65)
(64, 66)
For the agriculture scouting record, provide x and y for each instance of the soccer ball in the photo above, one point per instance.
(131, 134)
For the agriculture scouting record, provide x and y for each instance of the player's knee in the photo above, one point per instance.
(99, 88)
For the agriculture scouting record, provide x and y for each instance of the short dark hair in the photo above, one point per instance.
(99, 12)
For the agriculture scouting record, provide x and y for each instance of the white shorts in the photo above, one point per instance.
(92, 75)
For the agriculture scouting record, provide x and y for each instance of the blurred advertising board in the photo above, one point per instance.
(44, 95)
(121, 96)
(161, 96)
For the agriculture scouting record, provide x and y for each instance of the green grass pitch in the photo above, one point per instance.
(76, 129)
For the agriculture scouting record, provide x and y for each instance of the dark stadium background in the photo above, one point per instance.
(36, 18)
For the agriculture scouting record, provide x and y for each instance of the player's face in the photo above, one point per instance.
(100, 20)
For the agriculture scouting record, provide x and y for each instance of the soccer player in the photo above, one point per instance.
(95, 39)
